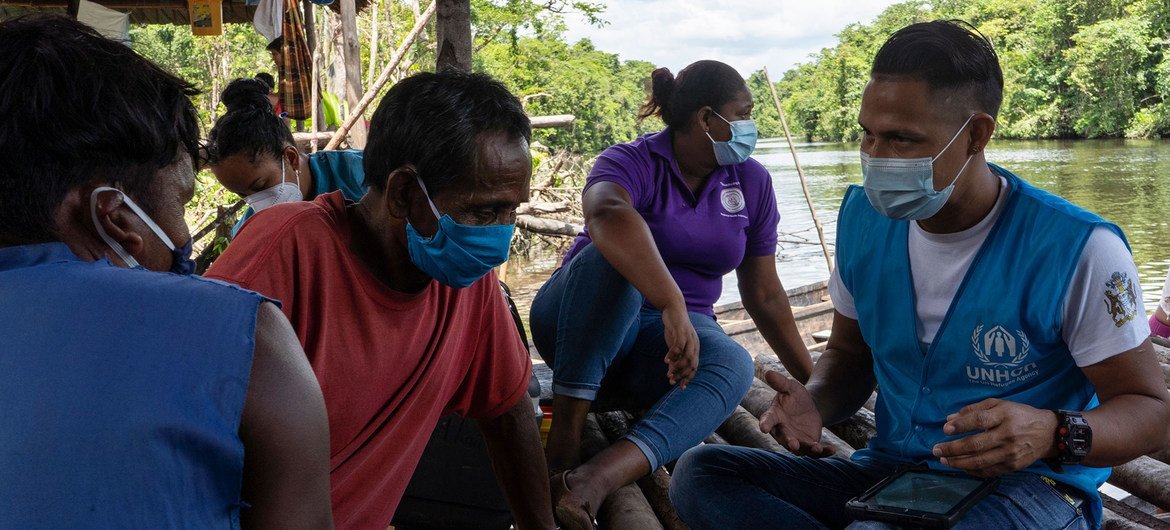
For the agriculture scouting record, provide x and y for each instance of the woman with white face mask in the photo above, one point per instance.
(253, 155)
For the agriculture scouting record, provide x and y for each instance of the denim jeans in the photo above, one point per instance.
(721, 487)
(589, 325)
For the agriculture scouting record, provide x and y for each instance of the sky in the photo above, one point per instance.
(747, 34)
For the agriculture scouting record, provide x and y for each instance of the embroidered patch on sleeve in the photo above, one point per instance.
(1121, 298)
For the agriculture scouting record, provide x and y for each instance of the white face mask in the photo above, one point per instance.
(283, 192)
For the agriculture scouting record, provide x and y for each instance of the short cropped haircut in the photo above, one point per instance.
(948, 55)
(432, 120)
(77, 109)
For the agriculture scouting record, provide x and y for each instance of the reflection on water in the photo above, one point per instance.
(1125, 181)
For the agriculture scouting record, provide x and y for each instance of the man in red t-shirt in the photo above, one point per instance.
(394, 300)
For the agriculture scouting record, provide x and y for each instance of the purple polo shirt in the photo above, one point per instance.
(701, 238)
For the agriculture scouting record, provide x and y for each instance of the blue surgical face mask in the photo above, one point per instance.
(740, 146)
(903, 188)
(181, 262)
(458, 255)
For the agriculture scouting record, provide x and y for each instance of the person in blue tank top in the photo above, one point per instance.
(132, 394)
(997, 322)
(252, 153)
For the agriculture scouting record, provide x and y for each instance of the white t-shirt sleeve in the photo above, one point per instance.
(841, 297)
(1165, 302)
(1103, 314)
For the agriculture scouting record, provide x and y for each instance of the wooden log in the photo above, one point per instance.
(529, 208)
(551, 122)
(550, 227)
(1145, 477)
(759, 398)
(715, 439)
(1111, 520)
(857, 430)
(1161, 455)
(626, 507)
(453, 35)
(743, 429)
(1121, 515)
(352, 55)
(395, 60)
(614, 424)
(656, 488)
(305, 140)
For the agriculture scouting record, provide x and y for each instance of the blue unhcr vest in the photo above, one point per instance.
(1001, 337)
(121, 393)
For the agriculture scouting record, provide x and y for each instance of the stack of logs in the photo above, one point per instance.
(646, 505)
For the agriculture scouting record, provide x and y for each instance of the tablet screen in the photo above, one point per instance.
(926, 492)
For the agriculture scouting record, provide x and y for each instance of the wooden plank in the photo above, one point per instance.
(1129, 515)
(551, 122)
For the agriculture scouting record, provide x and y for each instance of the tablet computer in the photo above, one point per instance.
(921, 498)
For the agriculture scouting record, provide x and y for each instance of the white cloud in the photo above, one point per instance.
(746, 34)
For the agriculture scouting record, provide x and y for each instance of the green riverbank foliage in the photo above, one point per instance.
(1072, 68)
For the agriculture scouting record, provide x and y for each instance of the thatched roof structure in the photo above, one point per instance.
(144, 11)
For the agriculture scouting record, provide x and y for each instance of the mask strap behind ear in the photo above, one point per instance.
(428, 196)
(130, 261)
(114, 245)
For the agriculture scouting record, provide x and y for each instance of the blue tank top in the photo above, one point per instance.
(1001, 337)
(122, 392)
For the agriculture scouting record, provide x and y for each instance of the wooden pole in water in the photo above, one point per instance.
(799, 171)
(399, 54)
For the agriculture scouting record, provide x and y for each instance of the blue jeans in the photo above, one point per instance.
(721, 487)
(589, 325)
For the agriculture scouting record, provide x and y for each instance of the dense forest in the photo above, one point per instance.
(1073, 68)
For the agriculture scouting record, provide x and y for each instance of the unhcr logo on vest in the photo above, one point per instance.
(1002, 355)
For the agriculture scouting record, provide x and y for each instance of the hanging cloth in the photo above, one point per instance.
(295, 68)
(268, 18)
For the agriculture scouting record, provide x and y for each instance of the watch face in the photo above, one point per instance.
(1074, 437)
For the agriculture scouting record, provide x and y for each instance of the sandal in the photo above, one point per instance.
(571, 512)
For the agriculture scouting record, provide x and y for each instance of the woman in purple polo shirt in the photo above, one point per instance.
(630, 312)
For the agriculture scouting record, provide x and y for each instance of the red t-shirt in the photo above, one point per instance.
(389, 363)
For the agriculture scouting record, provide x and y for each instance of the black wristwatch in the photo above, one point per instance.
(1074, 439)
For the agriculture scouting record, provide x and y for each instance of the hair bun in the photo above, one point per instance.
(245, 93)
(662, 86)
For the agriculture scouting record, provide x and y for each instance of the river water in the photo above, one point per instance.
(1125, 181)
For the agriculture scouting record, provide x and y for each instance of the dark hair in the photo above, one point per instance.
(432, 120)
(249, 126)
(78, 108)
(701, 84)
(947, 55)
(267, 79)
(275, 45)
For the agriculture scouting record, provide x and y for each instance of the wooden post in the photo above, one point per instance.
(453, 33)
(356, 113)
(373, 42)
(352, 53)
(799, 171)
(73, 8)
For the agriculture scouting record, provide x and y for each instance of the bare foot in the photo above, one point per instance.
(573, 512)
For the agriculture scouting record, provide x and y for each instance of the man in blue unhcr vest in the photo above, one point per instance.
(131, 398)
(995, 319)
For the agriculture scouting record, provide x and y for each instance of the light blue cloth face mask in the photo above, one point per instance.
(743, 141)
(903, 188)
(458, 255)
